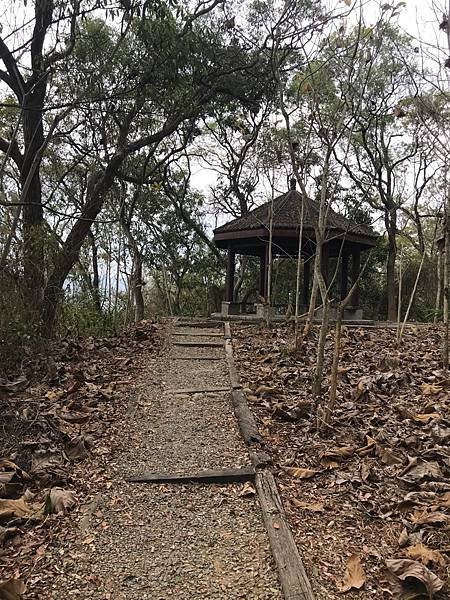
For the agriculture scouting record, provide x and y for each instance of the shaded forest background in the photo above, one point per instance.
(111, 112)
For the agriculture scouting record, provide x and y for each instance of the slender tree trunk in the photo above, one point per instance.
(446, 286)
(299, 271)
(318, 375)
(117, 281)
(312, 307)
(166, 288)
(390, 274)
(411, 299)
(334, 369)
(95, 273)
(328, 412)
(400, 299)
(10, 237)
(437, 303)
(138, 295)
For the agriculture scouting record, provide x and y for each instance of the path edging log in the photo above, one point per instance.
(197, 358)
(246, 420)
(203, 390)
(196, 334)
(207, 476)
(292, 575)
(235, 380)
(293, 578)
(200, 324)
(200, 344)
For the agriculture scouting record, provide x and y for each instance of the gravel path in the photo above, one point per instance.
(192, 542)
(161, 542)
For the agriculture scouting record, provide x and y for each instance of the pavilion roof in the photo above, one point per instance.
(287, 215)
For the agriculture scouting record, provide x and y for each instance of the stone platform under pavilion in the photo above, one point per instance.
(345, 240)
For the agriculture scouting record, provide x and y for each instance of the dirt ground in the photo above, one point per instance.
(376, 488)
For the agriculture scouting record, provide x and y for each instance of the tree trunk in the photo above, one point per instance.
(95, 274)
(68, 255)
(437, 304)
(446, 288)
(318, 376)
(137, 285)
(32, 213)
(390, 274)
(334, 369)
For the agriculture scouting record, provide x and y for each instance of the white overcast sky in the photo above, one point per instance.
(418, 18)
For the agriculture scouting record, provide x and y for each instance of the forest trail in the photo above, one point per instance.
(155, 541)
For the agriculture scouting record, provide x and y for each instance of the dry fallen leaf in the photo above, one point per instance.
(354, 577)
(312, 506)
(426, 417)
(300, 472)
(12, 589)
(338, 454)
(430, 388)
(60, 501)
(265, 389)
(388, 457)
(415, 575)
(247, 489)
(370, 445)
(422, 517)
(426, 470)
(403, 538)
(19, 509)
(425, 555)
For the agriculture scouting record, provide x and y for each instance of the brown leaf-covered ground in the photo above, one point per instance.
(60, 420)
(377, 487)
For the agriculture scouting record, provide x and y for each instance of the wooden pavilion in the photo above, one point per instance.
(249, 235)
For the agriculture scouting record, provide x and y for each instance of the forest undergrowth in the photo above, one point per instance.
(369, 501)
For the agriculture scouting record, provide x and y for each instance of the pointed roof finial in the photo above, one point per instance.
(292, 183)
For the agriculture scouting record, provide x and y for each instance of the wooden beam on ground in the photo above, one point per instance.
(246, 420)
(219, 476)
(292, 574)
(200, 344)
(197, 358)
(205, 324)
(196, 334)
(235, 380)
(199, 390)
(260, 460)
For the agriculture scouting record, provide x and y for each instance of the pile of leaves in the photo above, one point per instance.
(369, 501)
(61, 417)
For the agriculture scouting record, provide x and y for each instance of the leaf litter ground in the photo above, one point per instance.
(71, 527)
(370, 502)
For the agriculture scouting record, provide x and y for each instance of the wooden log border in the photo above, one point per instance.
(212, 334)
(293, 578)
(199, 344)
(196, 358)
(202, 390)
(208, 476)
(200, 324)
(291, 571)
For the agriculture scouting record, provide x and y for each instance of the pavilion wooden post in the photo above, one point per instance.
(229, 285)
(306, 279)
(356, 267)
(263, 274)
(344, 275)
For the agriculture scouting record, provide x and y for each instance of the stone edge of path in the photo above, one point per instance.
(293, 578)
